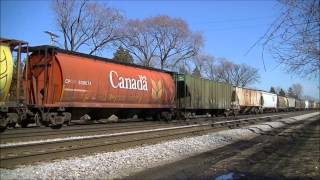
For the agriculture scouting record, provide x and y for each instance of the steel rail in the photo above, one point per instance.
(15, 154)
(26, 134)
(134, 132)
(75, 132)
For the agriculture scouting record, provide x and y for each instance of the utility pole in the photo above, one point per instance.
(52, 37)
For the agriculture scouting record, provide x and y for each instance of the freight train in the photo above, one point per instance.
(58, 86)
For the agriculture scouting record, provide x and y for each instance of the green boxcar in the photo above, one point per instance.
(194, 93)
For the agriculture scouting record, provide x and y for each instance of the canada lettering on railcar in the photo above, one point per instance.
(140, 83)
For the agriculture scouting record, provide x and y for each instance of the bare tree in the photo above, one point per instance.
(294, 37)
(245, 75)
(174, 40)
(222, 70)
(183, 69)
(290, 93)
(85, 23)
(209, 66)
(200, 61)
(237, 74)
(139, 41)
(196, 72)
(296, 90)
(161, 40)
(309, 98)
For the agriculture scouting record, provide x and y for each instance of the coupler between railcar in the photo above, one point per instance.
(54, 118)
(11, 115)
(6, 118)
(251, 110)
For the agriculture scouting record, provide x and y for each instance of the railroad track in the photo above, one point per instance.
(12, 155)
(29, 134)
(122, 122)
(89, 130)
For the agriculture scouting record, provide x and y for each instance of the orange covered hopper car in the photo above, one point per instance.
(67, 81)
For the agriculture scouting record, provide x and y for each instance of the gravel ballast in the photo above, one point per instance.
(74, 138)
(126, 162)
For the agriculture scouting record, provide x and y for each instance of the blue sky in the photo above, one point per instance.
(230, 28)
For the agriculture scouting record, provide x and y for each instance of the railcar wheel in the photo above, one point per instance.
(156, 117)
(188, 115)
(58, 126)
(179, 116)
(3, 123)
(167, 116)
(12, 125)
(2, 128)
(256, 111)
(226, 114)
(24, 123)
(37, 119)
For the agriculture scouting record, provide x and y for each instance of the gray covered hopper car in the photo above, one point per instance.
(291, 103)
(269, 101)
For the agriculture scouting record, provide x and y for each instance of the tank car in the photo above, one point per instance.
(62, 85)
(12, 108)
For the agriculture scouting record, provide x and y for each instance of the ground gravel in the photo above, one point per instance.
(123, 163)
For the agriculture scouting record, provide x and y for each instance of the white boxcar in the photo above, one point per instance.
(292, 102)
(269, 100)
(306, 104)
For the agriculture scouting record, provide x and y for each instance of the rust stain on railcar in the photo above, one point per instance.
(283, 102)
(44, 80)
(248, 97)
